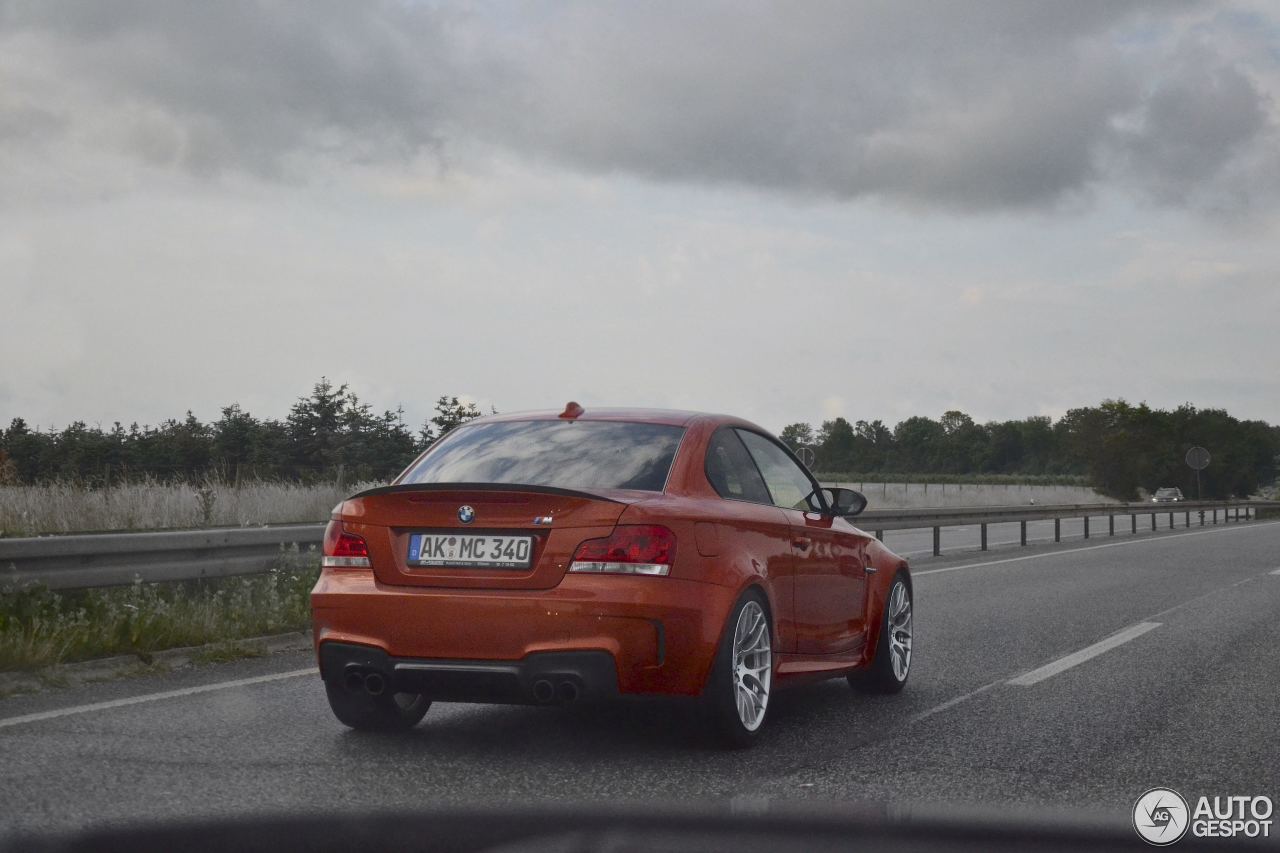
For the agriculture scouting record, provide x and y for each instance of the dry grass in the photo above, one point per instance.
(71, 508)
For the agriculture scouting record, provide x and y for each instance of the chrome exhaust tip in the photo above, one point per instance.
(568, 691)
(353, 679)
(374, 683)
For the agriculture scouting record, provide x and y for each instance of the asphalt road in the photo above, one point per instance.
(1189, 703)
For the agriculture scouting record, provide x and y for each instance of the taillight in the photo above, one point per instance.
(632, 549)
(343, 550)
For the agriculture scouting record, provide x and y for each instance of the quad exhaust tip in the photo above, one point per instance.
(357, 679)
(564, 691)
(543, 691)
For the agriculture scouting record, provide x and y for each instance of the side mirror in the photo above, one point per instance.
(845, 502)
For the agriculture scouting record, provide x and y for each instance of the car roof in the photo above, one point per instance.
(668, 417)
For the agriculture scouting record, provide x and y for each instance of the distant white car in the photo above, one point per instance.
(1169, 494)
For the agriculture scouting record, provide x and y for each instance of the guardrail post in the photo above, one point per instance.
(1023, 525)
(1057, 530)
(880, 535)
(1133, 522)
(1215, 515)
(1170, 521)
(1111, 525)
(937, 541)
(1153, 522)
(1086, 527)
(1237, 513)
(1188, 524)
(1202, 518)
(984, 537)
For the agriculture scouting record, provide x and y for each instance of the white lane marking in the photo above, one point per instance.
(1049, 670)
(1165, 538)
(151, 697)
(951, 703)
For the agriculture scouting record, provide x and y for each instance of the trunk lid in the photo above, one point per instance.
(389, 517)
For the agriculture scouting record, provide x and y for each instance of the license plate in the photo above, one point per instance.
(470, 550)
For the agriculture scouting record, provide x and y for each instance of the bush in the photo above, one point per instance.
(40, 627)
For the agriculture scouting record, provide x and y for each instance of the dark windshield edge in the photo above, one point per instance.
(482, 487)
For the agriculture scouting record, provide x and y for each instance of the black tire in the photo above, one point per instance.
(881, 676)
(720, 700)
(390, 712)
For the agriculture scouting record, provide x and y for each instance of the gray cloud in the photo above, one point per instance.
(210, 86)
(988, 105)
(1202, 116)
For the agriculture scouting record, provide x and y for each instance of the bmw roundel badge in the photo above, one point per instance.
(466, 514)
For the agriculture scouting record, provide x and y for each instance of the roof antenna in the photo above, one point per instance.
(572, 410)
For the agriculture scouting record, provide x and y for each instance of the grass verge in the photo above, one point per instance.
(40, 627)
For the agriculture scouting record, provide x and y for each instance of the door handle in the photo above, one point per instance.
(801, 542)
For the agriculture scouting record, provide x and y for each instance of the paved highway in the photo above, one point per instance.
(1012, 702)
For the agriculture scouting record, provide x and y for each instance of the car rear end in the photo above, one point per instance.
(520, 561)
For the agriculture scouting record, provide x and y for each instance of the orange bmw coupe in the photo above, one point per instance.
(553, 557)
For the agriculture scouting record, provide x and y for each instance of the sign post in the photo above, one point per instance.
(1198, 459)
(807, 456)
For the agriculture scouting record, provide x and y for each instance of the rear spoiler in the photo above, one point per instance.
(482, 487)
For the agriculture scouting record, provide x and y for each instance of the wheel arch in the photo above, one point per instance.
(878, 599)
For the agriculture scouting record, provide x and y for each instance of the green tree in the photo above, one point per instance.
(450, 414)
(836, 446)
(919, 444)
(315, 426)
(797, 435)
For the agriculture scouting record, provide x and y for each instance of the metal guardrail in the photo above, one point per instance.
(1204, 512)
(111, 559)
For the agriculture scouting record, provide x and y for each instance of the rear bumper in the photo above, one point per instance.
(540, 679)
(657, 635)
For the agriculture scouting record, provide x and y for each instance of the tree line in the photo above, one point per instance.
(1118, 447)
(328, 434)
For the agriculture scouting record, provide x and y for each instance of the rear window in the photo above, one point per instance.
(562, 454)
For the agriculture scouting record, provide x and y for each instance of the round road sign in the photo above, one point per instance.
(1198, 458)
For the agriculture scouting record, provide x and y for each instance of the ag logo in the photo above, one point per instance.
(1160, 816)
(466, 514)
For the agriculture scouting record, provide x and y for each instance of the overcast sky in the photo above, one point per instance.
(786, 211)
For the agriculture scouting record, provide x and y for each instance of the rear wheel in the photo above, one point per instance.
(388, 712)
(888, 672)
(737, 695)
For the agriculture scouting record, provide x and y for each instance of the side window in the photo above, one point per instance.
(730, 469)
(789, 486)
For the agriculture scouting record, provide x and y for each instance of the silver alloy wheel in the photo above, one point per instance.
(752, 665)
(899, 624)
